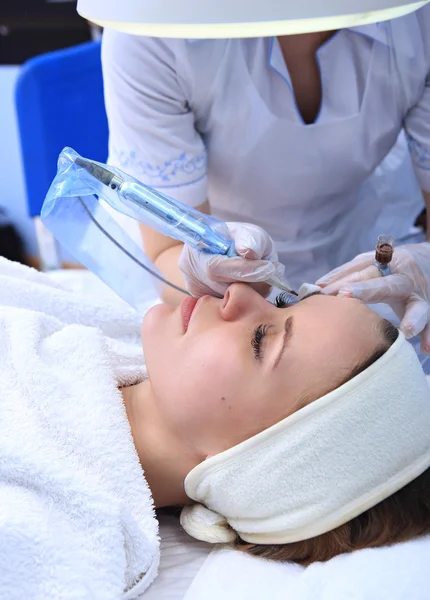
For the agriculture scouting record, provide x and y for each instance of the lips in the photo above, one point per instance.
(187, 307)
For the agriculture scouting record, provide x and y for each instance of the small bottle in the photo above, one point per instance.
(384, 250)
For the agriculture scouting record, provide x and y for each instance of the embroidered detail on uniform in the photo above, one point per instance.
(420, 154)
(170, 171)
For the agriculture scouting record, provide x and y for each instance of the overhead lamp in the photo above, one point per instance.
(206, 19)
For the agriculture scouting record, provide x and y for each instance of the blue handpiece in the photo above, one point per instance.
(175, 220)
(182, 224)
(168, 216)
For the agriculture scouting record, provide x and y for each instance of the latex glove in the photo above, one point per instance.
(211, 274)
(407, 290)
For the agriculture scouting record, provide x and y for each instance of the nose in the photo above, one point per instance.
(239, 300)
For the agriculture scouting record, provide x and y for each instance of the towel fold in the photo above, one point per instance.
(76, 514)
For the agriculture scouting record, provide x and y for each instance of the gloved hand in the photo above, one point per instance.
(406, 290)
(211, 274)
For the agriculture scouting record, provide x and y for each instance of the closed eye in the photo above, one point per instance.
(260, 333)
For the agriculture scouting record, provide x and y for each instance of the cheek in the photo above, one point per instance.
(218, 398)
(202, 392)
(158, 327)
(154, 321)
(209, 371)
(202, 385)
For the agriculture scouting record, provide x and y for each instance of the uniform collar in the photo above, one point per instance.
(378, 32)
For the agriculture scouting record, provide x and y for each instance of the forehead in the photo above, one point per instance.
(332, 336)
(337, 324)
(331, 305)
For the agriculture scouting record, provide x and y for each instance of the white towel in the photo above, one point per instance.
(394, 573)
(76, 514)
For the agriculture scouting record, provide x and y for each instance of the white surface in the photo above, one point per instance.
(181, 559)
(235, 18)
(396, 573)
(251, 153)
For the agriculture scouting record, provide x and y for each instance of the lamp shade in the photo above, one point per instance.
(239, 18)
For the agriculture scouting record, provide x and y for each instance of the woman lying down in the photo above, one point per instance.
(290, 432)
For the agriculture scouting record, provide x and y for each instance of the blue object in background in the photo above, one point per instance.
(59, 102)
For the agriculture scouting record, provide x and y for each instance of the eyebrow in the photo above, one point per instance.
(288, 333)
(316, 293)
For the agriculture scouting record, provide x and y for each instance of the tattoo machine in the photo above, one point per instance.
(75, 213)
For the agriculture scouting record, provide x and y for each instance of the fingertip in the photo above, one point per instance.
(248, 254)
(329, 289)
(425, 349)
(408, 330)
(415, 321)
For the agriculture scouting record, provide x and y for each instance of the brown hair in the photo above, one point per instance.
(401, 517)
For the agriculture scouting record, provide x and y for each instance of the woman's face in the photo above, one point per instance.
(222, 371)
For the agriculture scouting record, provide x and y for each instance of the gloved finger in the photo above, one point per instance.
(193, 264)
(218, 290)
(381, 289)
(415, 318)
(425, 339)
(370, 272)
(263, 289)
(356, 264)
(252, 242)
(398, 307)
(221, 268)
(198, 288)
(207, 274)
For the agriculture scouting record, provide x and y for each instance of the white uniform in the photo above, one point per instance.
(217, 120)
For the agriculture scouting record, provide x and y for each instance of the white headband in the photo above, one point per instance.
(322, 466)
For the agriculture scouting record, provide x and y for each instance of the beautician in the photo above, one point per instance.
(286, 132)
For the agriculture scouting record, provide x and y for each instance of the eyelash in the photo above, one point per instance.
(285, 299)
(257, 339)
(281, 301)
